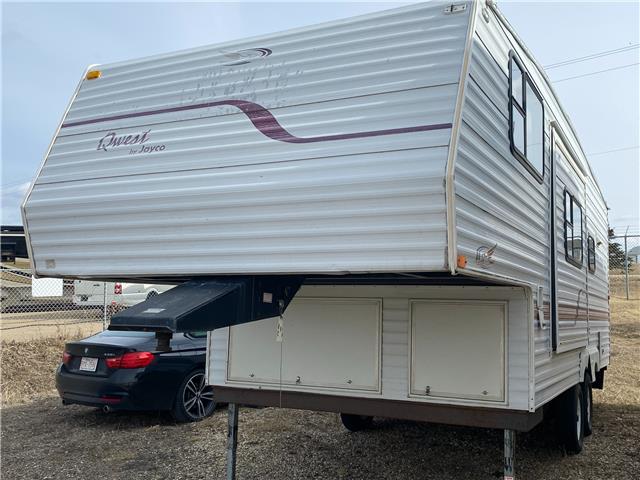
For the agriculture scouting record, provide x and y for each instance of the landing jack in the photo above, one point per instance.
(232, 441)
(509, 454)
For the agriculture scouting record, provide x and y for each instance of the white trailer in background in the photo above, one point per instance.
(407, 180)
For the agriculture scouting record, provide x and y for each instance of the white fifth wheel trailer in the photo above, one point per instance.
(389, 215)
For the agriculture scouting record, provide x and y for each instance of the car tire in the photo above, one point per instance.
(570, 421)
(587, 393)
(194, 399)
(355, 423)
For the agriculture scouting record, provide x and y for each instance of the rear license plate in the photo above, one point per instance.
(88, 364)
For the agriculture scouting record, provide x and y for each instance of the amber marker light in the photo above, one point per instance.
(93, 74)
(462, 261)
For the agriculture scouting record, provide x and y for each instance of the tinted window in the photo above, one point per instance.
(516, 83)
(572, 230)
(526, 109)
(518, 130)
(198, 334)
(591, 254)
(535, 133)
(577, 233)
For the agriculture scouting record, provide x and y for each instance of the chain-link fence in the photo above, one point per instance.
(33, 308)
(49, 307)
(624, 269)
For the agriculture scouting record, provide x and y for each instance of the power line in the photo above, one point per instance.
(614, 150)
(596, 72)
(591, 56)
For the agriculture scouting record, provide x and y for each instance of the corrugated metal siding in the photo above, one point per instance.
(220, 141)
(260, 187)
(554, 372)
(497, 200)
(380, 211)
(571, 279)
(396, 341)
(557, 375)
(598, 282)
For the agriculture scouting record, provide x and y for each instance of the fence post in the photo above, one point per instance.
(104, 306)
(626, 267)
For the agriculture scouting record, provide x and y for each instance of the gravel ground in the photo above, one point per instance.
(43, 440)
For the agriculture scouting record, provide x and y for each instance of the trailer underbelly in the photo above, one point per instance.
(520, 420)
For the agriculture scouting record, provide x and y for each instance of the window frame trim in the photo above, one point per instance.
(526, 80)
(569, 258)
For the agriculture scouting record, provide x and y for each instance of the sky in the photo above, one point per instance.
(47, 46)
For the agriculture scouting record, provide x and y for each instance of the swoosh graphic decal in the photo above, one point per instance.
(264, 121)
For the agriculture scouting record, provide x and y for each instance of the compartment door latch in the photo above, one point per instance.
(453, 8)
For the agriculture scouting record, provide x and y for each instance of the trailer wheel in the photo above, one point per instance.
(355, 423)
(587, 393)
(570, 410)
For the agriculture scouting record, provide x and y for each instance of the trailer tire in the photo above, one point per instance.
(570, 422)
(355, 423)
(587, 392)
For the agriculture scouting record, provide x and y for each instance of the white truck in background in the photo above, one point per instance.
(93, 293)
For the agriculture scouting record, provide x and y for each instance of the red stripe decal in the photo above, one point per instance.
(264, 121)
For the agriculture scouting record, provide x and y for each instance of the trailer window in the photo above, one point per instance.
(572, 230)
(535, 130)
(526, 119)
(591, 254)
(517, 83)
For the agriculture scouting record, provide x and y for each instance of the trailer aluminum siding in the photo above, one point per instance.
(321, 149)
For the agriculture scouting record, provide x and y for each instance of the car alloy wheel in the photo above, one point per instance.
(197, 397)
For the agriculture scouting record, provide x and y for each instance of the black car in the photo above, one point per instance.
(121, 370)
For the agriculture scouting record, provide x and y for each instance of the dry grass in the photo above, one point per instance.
(622, 382)
(27, 368)
(617, 286)
(28, 330)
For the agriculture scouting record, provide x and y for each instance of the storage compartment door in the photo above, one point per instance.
(333, 343)
(458, 349)
(254, 352)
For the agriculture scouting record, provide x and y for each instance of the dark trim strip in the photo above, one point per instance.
(521, 420)
(553, 241)
(566, 311)
(264, 121)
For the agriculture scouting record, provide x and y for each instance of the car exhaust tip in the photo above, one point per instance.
(107, 409)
